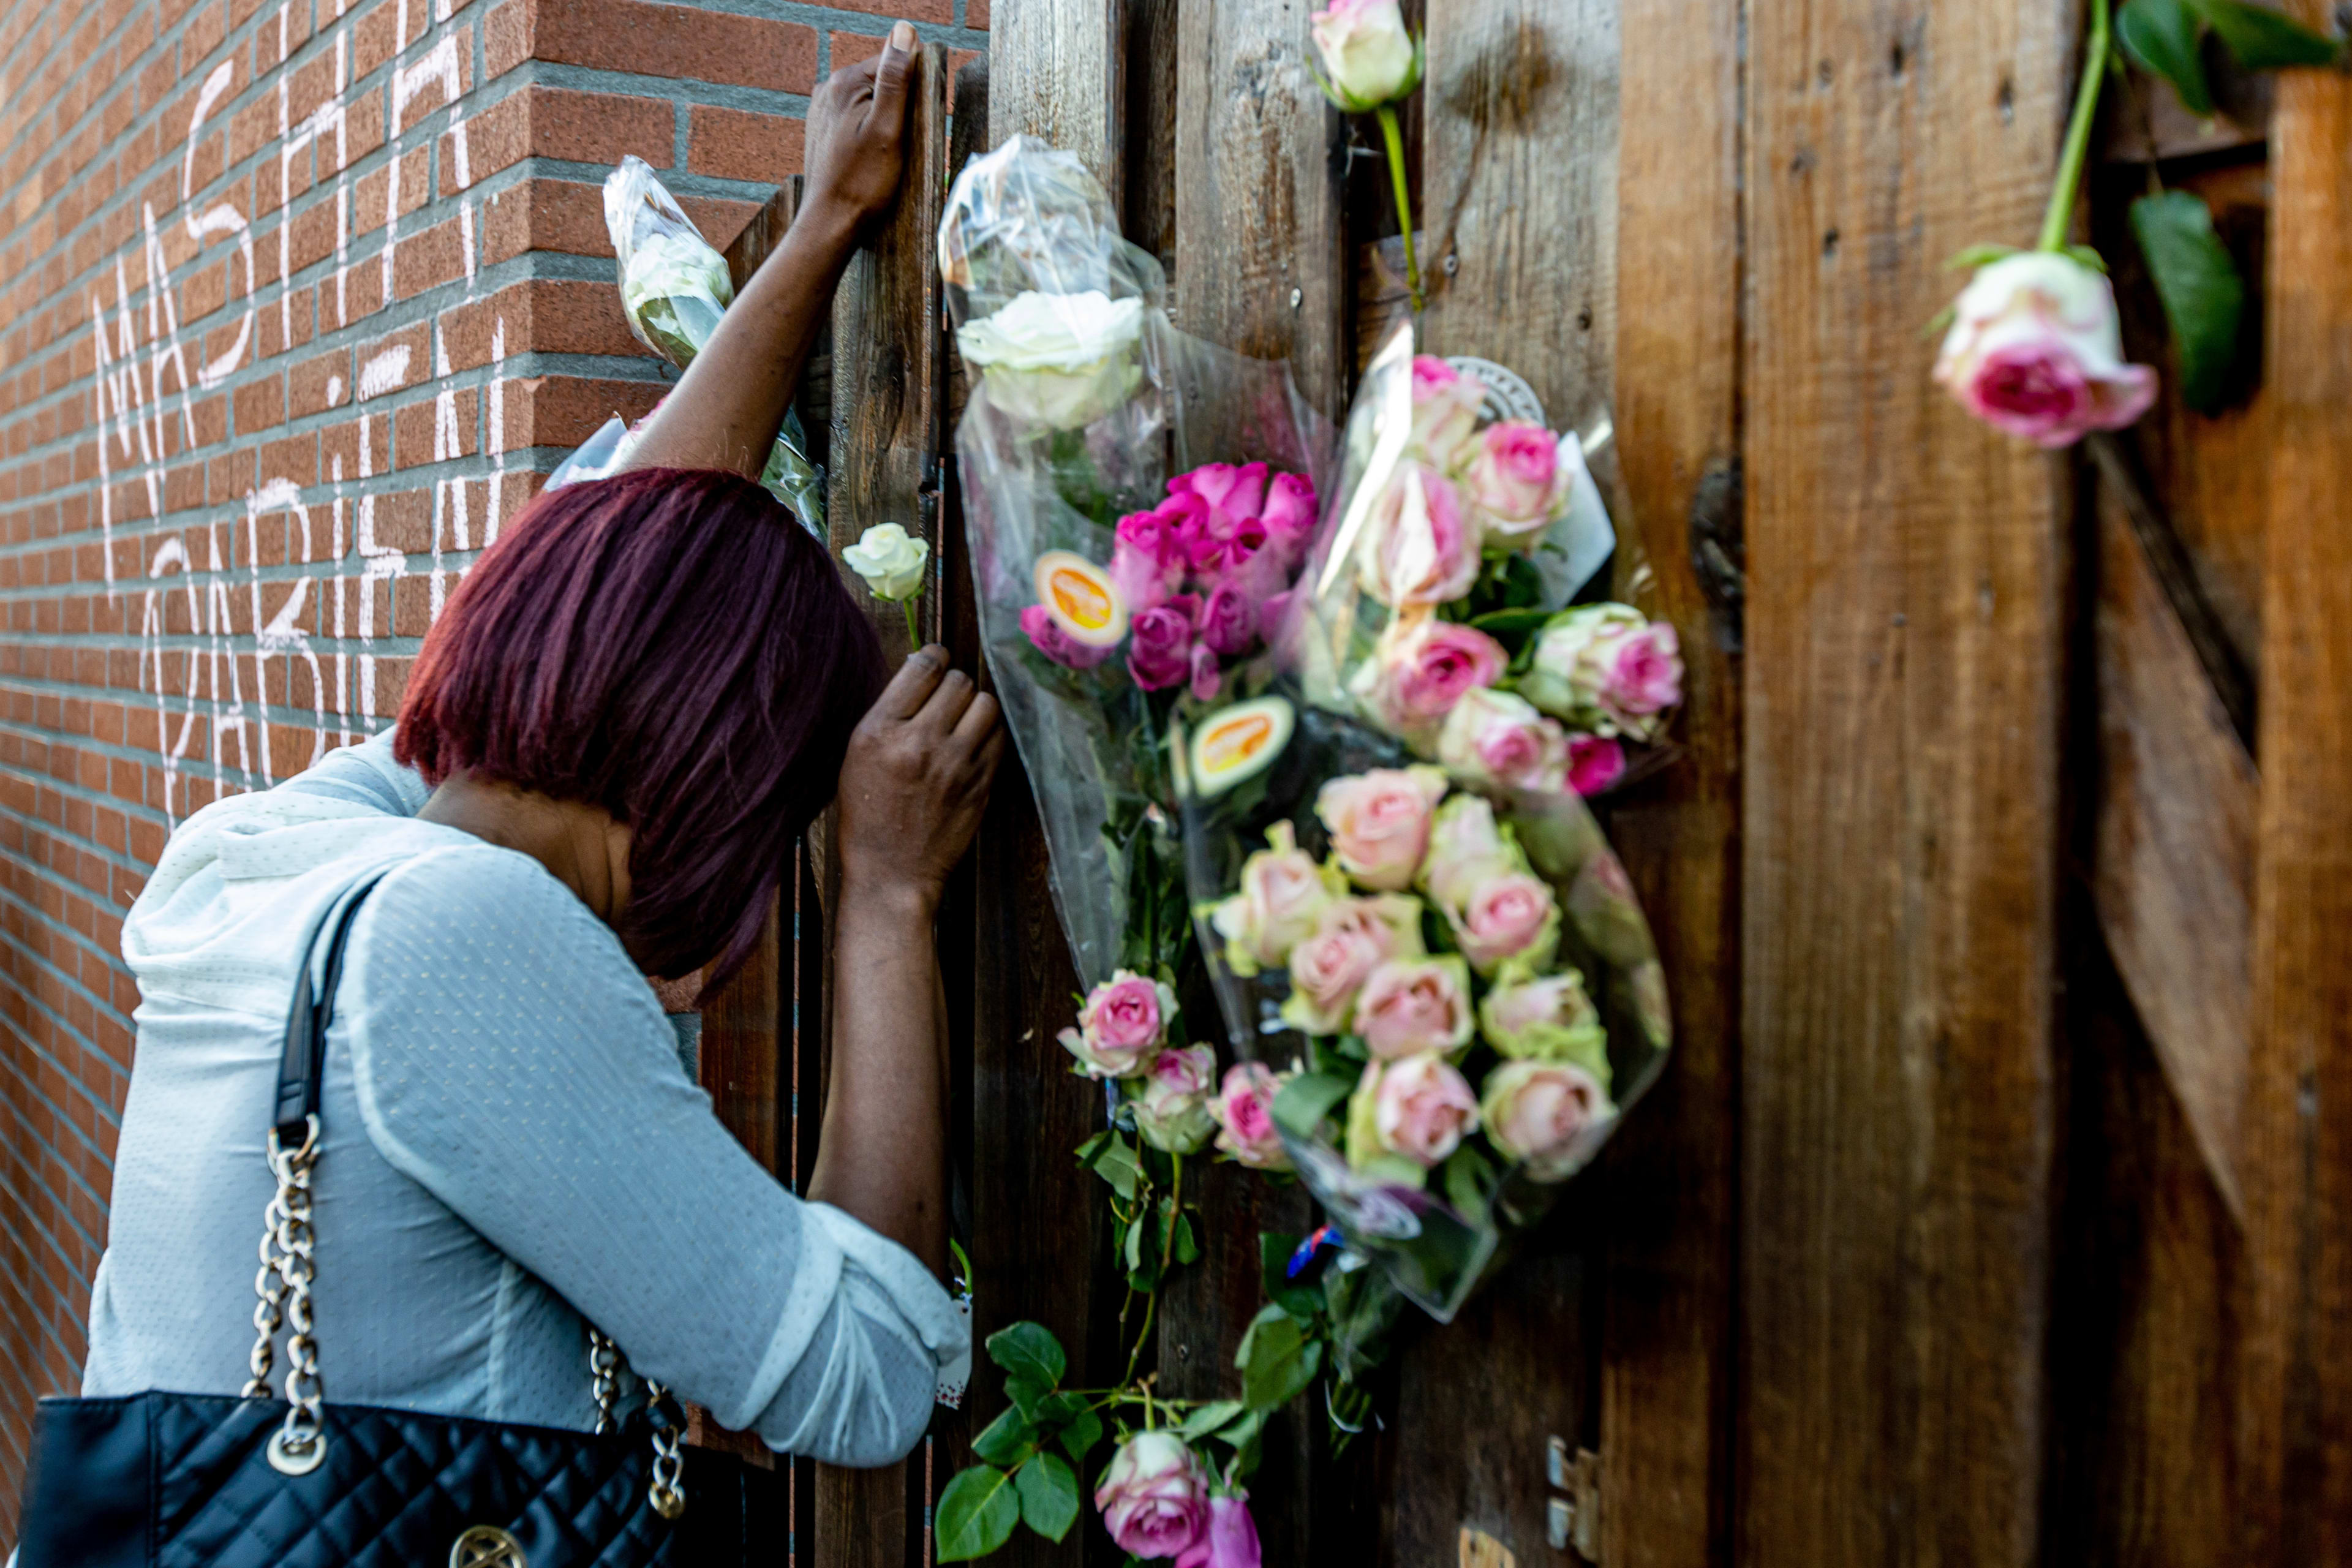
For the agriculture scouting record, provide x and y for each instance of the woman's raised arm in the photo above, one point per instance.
(725, 412)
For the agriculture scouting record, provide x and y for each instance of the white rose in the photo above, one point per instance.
(891, 560)
(1367, 50)
(676, 288)
(2034, 349)
(1058, 359)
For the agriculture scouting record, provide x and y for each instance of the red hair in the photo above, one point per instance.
(674, 646)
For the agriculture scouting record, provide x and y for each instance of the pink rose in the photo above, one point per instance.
(1420, 668)
(1517, 480)
(1147, 556)
(1548, 1017)
(1446, 405)
(1154, 1499)
(1235, 494)
(1229, 620)
(1367, 52)
(1422, 548)
(1289, 517)
(1232, 1538)
(1594, 764)
(2034, 351)
(1504, 918)
(1378, 822)
(1244, 1109)
(1056, 644)
(1494, 737)
(1421, 1108)
(1643, 673)
(1352, 937)
(1413, 1005)
(1159, 644)
(1465, 848)
(1206, 678)
(1283, 894)
(1172, 1106)
(1607, 669)
(1539, 1111)
(1121, 1026)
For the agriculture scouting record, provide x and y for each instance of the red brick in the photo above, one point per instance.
(547, 315)
(675, 41)
(317, 384)
(431, 90)
(848, 49)
(555, 123)
(427, 261)
(544, 215)
(735, 144)
(940, 11)
(415, 436)
(260, 404)
(563, 411)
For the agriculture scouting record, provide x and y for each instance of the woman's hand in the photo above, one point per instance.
(915, 781)
(856, 131)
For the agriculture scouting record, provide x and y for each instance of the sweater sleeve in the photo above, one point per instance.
(509, 1059)
(366, 774)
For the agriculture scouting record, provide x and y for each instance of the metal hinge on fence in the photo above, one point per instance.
(1573, 1520)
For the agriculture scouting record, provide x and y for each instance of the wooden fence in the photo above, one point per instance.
(1991, 1211)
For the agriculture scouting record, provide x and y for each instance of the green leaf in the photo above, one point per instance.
(1115, 1163)
(2160, 36)
(1049, 1496)
(1467, 1179)
(2265, 39)
(1029, 1350)
(1508, 623)
(1082, 1433)
(1133, 1247)
(1185, 1249)
(1028, 1396)
(1977, 255)
(1306, 1099)
(1006, 1440)
(1277, 1360)
(1056, 1409)
(1209, 1417)
(2088, 256)
(2204, 297)
(976, 1514)
(1301, 1301)
(1084, 1153)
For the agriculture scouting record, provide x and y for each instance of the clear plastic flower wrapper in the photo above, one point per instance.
(1138, 503)
(1411, 916)
(673, 289)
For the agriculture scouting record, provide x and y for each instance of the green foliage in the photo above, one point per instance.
(1278, 1358)
(1006, 1439)
(1304, 1303)
(2265, 39)
(2204, 297)
(976, 1514)
(2165, 38)
(1305, 1100)
(1049, 1496)
(1029, 1350)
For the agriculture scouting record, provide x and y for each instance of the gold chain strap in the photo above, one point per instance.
(667, 1490)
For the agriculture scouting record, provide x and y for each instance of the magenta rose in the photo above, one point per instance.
(1509, 916)
(1517, 480)
(1352, 937)
(1147, 556)
(1234, 492)
(2034, 349)
(1378, 822)
(1446, 411)
(1243, 1110)
(1229, 620)
(1121, 1026)
(1231, 1540)
(1413, 1005)
(1497, 738)
(1159, 644)
(1595, 762)
(1422, 549)
(1154, 1499)
(1056, 644)
(1422, 1109)
(1420, 668)
(1206, 678)
(1289, 517)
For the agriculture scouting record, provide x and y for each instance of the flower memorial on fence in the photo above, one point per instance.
(1319, 739)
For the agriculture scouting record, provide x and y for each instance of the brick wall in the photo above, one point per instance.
(295, 302)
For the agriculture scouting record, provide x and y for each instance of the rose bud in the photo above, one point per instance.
(1147, 556)
(1367, 52)
(1507, 919)
(1284, 890)
(1494, 737)
(1540, 1113)
(1229, 620)
(1606, 669)
(1154, 1499)
(1417, 1110)
(1289, 518)
(1352, 938)
(1172, 1108)
(1121, 1026)
(1420, 669)
(1465, 847)
(1234, 493)
(1550, 1019)
(1422, 547)
(1413, 1005)
(1446, 405)
(1232, 1541)
(1378, 822)
(1517, 480)
(2034, 349)
(1595, 762)
(1243, 1110)
(1056, 644)
(1159, 644)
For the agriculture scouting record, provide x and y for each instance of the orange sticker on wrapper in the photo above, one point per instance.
(1081, 599)
(1239, 742)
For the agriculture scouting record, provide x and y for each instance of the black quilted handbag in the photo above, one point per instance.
(183, 1480)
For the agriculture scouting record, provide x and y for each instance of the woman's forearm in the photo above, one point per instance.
(882, 1154)
(724, 411)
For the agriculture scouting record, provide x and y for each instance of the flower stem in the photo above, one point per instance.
(1395, 140)
(914, 638)
(2078, 134)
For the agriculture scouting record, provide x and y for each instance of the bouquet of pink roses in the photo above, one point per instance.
(1418, 936)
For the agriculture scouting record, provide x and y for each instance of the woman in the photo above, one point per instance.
(624, 717)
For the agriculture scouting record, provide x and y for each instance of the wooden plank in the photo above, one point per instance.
(1060, 71)
(1519, 177)
(2174, 865)
(1904, 636)
(1258, 268)
(2296, 1463)
(764, 232)
(1671, 1179)
(743, 1028)
(889, 391)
